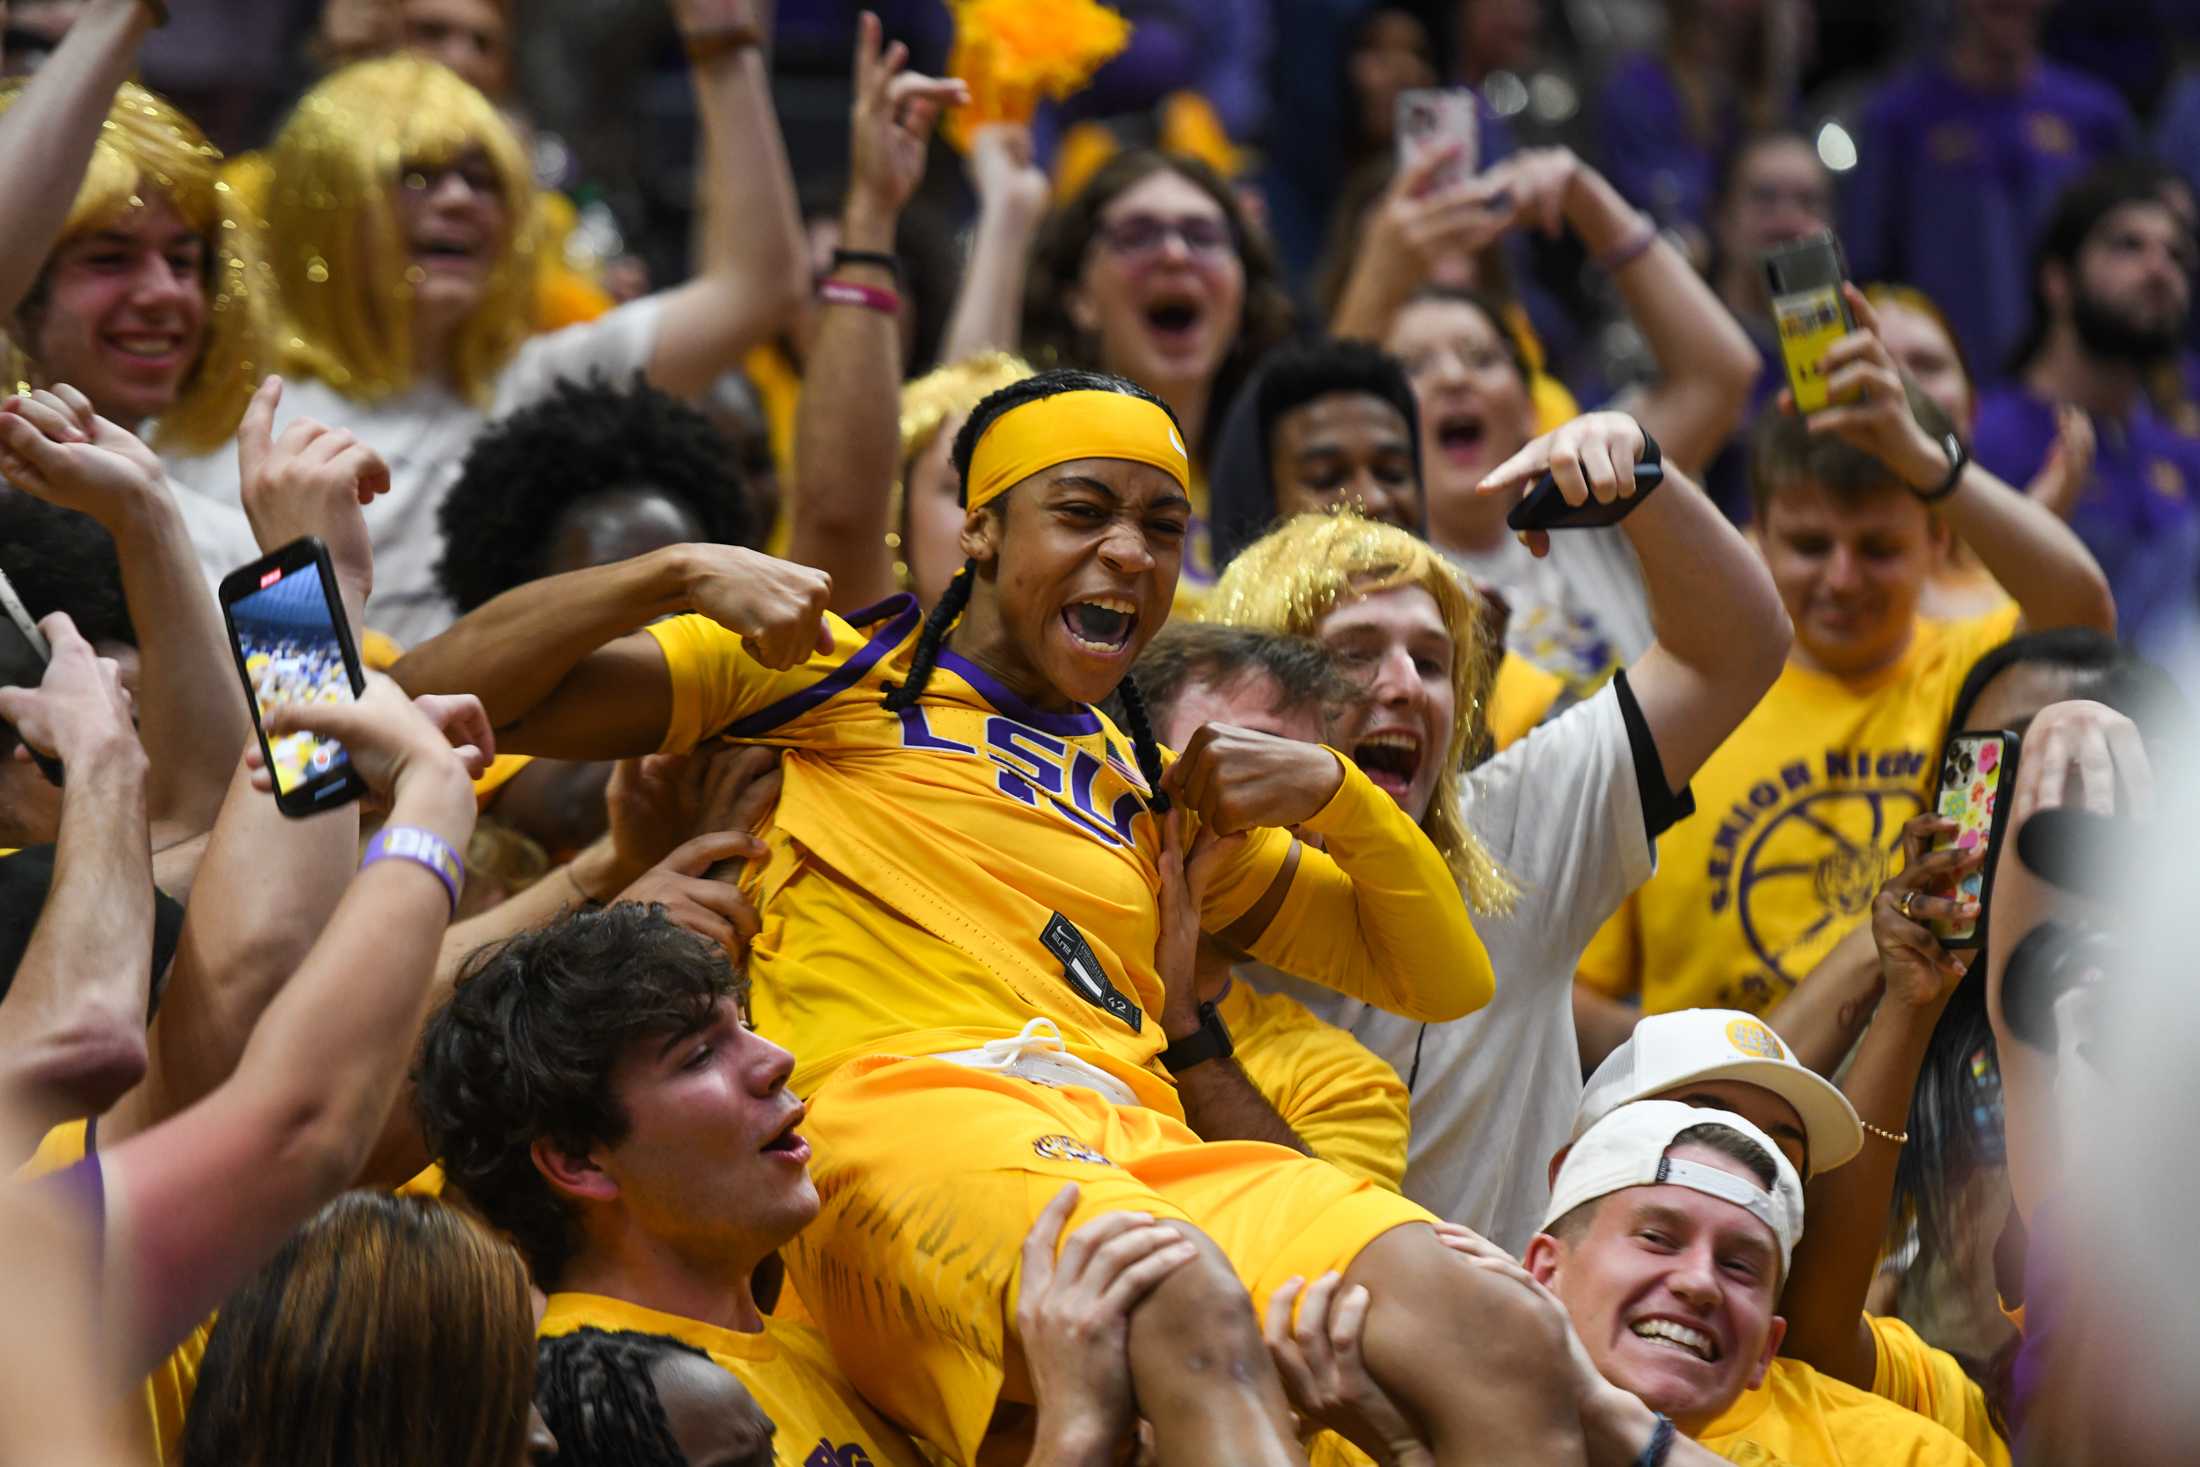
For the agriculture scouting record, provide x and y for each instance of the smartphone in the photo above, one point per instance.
(1975, 769)
(1429, 118)
(1804, 278)
(24, 654)
(1543, 507)
(293, 645)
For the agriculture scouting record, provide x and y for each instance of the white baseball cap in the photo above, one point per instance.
(1667, 1051)
(1628, 1149)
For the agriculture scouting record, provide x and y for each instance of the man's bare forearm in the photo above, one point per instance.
(1221, 1103)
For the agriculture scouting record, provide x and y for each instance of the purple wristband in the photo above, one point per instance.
(1632, 250)
(423, 847)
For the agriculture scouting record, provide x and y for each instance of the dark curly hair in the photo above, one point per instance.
(1051, 338)
(957, 595)
(586, 438)
(598, 1399)
(525, 1046)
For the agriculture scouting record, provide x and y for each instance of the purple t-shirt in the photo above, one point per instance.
(1651, 151)
(2137, 513)
(1952, 186)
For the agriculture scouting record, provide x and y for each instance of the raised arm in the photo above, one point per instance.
(194, 723)
(237, 947)
(1705, 361)
(198, 1202)
(72, 1028)
(1721, 634)
(847, 428)
(2021, 541)
(754, 273)
(1012, 202)
(564, 671)
(1377, 914)
(1847, 1206)
(46, 138)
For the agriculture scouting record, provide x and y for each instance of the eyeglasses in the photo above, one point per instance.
(478, 174)
(1145, 234)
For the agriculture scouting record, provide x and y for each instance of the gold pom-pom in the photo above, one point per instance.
(1013, 52)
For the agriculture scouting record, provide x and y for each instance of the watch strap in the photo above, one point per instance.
(1210, 1041)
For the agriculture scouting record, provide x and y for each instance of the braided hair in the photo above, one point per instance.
(594, 1389)
(942, 619)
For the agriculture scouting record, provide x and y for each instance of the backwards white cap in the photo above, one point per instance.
(1628, 1149)
(1673, 1049)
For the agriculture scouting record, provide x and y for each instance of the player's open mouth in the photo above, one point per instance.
(1102, 624)
(1671, 1334)
(1391, 759)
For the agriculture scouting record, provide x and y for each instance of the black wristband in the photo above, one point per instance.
(878, 259)
(1959, 458)
(1210, 1041)
(1660, 1445)
(1650, 458)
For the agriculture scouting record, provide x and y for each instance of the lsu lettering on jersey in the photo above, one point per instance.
(821, 1420)
(939, 877)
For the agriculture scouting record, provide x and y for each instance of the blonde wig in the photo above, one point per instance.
(926, 406)
(147, 150)
(1298, 573)
(337, 243)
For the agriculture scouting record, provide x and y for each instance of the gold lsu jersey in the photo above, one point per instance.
(935, 879)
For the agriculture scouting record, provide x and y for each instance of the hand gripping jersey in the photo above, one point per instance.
(938, 878)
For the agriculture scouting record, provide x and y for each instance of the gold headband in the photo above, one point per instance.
(1071, 425)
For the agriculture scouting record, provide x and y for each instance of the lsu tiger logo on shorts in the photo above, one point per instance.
(1068, 1148)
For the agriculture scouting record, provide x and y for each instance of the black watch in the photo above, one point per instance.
(1210, 1041)
(1958, 458)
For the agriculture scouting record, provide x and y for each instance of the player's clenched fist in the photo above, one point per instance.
(1235, 779)
(776, 607)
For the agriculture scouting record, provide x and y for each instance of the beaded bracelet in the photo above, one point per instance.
(1899, 1138)
(422, 848)
(1631, 251)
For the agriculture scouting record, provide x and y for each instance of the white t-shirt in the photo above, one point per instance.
(423, 435)
(1493, 1094)
(1579, 612)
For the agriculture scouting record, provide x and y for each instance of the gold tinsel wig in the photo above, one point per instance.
(337, 243)
(926, 405)
(148, 151)
(1296, 574)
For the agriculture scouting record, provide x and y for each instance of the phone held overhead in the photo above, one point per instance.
(293, 645)
(1804, 280)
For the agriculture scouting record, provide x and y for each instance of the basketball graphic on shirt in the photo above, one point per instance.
(1810, 874)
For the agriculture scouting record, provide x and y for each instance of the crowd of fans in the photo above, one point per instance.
(981, 841)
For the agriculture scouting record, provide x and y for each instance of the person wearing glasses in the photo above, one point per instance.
(395, 214)
(1152, 272)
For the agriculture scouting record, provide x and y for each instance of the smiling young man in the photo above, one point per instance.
(1726, 1060)
(1803, 807)
(1667, 1239)
(1573, 813)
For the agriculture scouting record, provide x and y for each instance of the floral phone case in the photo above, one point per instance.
(1975, 770)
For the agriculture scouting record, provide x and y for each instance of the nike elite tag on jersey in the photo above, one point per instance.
(1084, 972)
